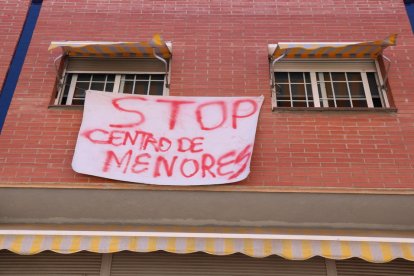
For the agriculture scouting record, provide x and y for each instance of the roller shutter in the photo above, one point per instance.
(322, 66)
(197, 264)
(50, 263)
(358, 267)
(116, 65)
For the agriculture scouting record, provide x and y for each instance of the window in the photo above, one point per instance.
(114, 67)
(330, 75)
(112, 75)
(331, 84)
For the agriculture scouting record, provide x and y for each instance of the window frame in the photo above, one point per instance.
(314, 66)
(117, 83)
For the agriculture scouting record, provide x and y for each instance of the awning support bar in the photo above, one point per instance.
(272, 76)
(166, 63)
(58, 78)
(55, 60)
(387, 70)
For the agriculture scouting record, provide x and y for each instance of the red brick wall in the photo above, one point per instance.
(220, 49)
(12, 16)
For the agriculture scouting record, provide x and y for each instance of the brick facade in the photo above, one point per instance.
(219, 49)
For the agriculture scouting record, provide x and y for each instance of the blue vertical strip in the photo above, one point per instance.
(409, 5)
(17, 61)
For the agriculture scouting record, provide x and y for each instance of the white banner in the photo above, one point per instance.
(167, 140)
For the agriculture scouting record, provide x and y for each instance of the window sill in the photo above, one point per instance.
(334, 109)
(68, 107)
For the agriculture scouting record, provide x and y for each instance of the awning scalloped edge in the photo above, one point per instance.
(114, 49)
(369, 49)
(294, 247)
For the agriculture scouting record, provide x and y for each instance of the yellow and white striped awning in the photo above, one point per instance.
(115, 49)
(370, 49)
(290, 246)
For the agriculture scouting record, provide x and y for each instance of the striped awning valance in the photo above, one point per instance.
(292, 247)
(115, 49)
(370, 49)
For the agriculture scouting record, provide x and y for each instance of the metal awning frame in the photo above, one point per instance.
(167, 68)
(387, 70)
(273, 83)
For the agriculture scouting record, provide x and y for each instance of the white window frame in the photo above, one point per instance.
(315, 66)
(118, 74)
